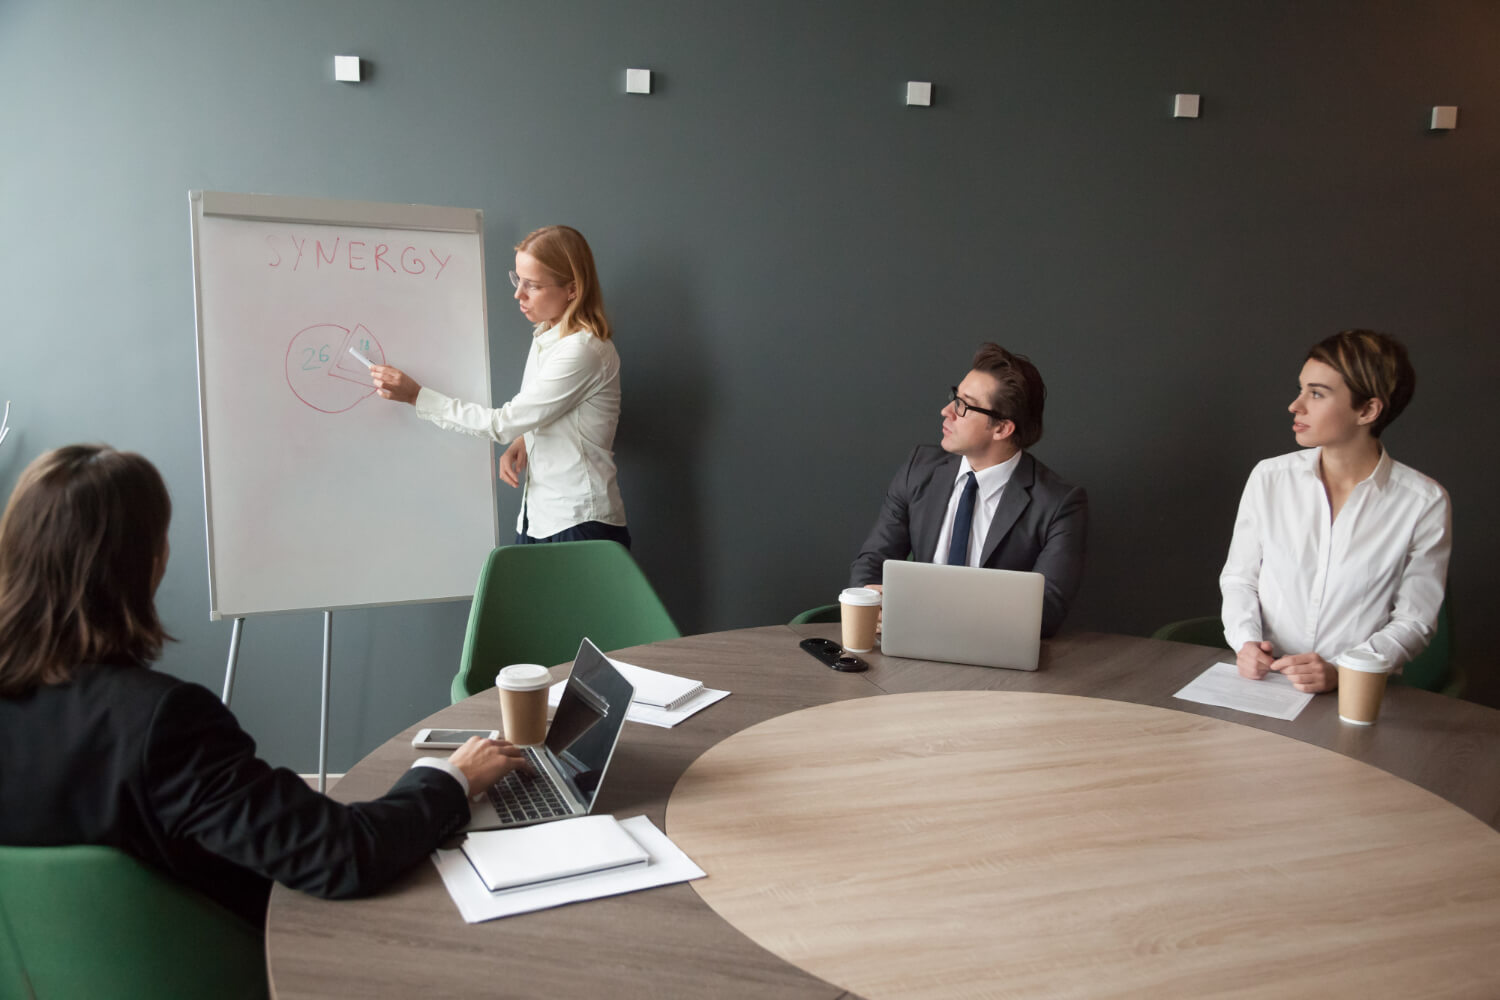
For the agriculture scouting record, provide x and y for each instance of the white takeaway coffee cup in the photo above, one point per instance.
(859, 610)
(1362, 679)
(523, 702)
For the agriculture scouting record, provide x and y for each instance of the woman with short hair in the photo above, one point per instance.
(1338, 546)
(97, 748)
(561, 425)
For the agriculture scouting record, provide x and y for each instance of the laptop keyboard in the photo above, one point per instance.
(527, 796)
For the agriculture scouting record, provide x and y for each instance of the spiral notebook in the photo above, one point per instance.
(656, 689)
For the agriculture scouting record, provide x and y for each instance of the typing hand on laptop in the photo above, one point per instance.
(485, 762)
(562, 776)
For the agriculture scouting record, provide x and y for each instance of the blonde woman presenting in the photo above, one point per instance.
(561, 426)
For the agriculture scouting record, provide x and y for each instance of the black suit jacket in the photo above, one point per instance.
(1039, 526)
(160, 769)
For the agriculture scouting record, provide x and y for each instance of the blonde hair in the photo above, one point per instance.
(81, 544)
(563, 251)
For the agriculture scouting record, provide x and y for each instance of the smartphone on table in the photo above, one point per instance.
(449, 739)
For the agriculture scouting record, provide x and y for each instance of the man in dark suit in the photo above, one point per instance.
(980, 499)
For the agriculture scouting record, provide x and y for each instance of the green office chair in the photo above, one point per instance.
(13, 981)
(1433, 669)
(1198, 631)
(535, 603)
(822, 614)
(90, 921)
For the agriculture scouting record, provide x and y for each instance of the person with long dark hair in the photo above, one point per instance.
(97, 748)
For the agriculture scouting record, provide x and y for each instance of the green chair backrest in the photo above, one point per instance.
(1198, 631)
(1432, 669)
(90, 921)
(536, 603)
(820, 615)
(13, 981)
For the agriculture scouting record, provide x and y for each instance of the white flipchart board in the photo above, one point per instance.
(319, 494)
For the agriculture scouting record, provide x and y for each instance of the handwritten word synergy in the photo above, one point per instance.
(307, 253)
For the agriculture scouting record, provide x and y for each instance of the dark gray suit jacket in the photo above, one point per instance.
(1039, 526)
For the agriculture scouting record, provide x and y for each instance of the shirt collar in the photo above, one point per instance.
(992, 480)
(1310, 457)
(1382, 473)
(547, 337)
(1380, 477)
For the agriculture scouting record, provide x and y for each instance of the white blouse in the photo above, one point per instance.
(1373, 579)
(567, 409)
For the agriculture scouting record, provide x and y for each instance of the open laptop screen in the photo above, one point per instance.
(587, 722)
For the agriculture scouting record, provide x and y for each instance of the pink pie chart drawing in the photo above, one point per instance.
(321, 371)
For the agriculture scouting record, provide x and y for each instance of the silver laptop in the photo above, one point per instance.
(960, 614)
(567, 770)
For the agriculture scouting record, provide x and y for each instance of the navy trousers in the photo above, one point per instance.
(581, 533)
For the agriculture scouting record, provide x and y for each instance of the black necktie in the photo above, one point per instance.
(958, 546)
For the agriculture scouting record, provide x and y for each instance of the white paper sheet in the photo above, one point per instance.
(1222, 686)
(662, 717)
(477, 904)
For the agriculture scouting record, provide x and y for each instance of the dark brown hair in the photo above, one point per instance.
(1374, 366)
(1022, 393)
(81, 544)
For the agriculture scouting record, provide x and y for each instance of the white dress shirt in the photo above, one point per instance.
(1373, 579)
(444, 764)
(991, 483)
(567, 409)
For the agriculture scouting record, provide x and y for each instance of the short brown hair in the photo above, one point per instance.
(563, 251)
(1022, 393)
(1373, 366)
(80, 545)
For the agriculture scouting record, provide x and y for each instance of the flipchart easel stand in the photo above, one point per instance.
(234, 654)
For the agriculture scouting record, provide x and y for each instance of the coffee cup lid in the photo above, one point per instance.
(1362, 660)
(524, 677)
(860, 595)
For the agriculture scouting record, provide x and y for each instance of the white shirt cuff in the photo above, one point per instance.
(443, 764)
(1236, 638)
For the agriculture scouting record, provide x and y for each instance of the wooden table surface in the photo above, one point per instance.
(410, 940)
(1009, 844)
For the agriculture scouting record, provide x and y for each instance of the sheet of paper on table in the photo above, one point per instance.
(1221, 685)
(666, 718)
(476, 903)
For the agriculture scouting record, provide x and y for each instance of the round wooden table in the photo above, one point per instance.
(670, 942)
(1012, 844)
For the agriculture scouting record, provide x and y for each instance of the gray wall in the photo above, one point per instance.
(798, 265)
